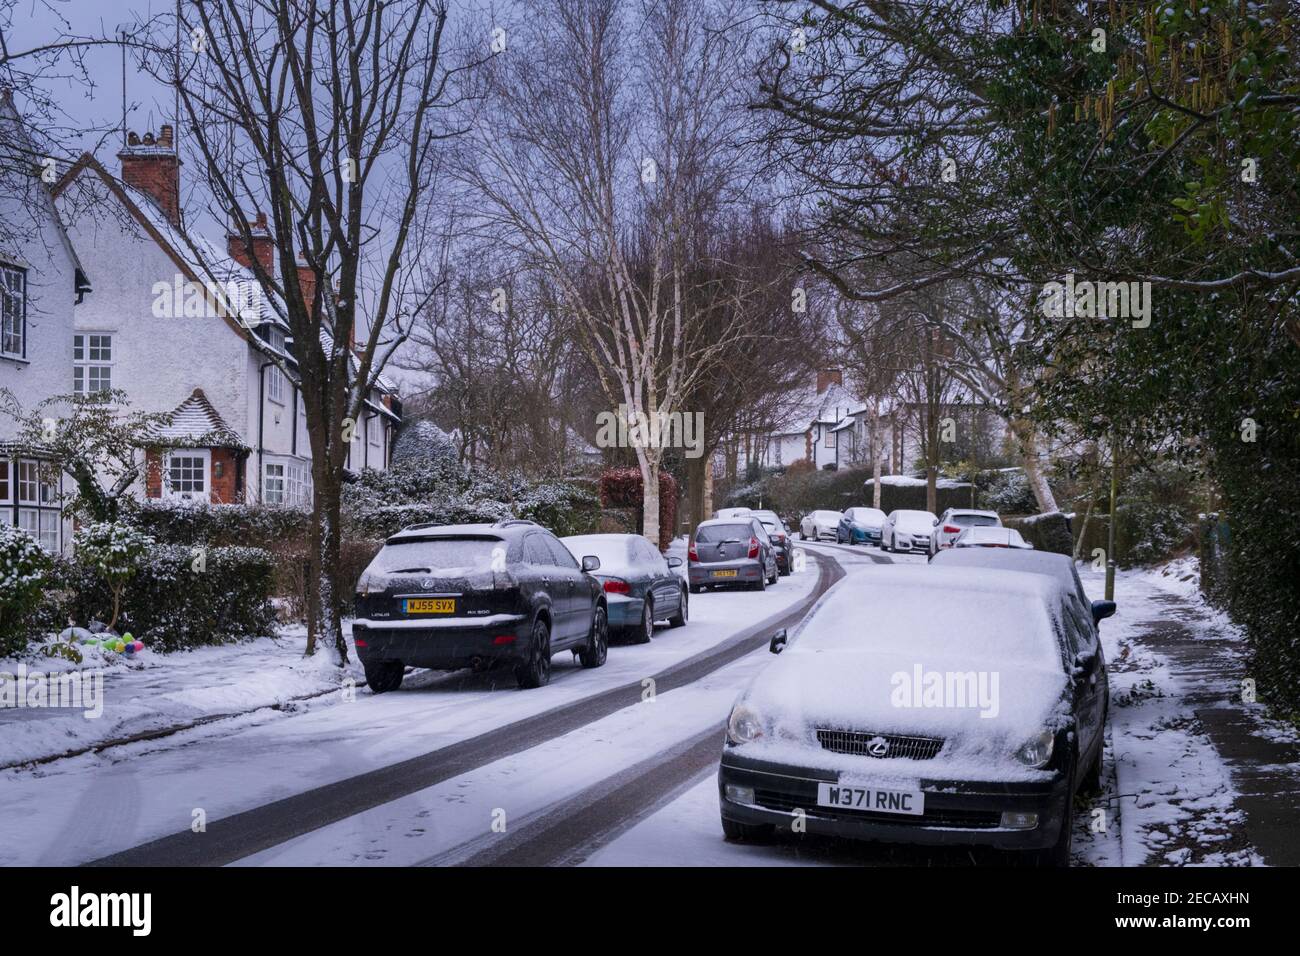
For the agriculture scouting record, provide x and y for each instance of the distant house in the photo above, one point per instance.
(807, 431)
(41, 279)
(181, 326)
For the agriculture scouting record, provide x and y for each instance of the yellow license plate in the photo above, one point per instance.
(724, 574)
(431, 606)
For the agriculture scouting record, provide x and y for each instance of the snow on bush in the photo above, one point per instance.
(113, 550)
(23, 570)
(1010, 494)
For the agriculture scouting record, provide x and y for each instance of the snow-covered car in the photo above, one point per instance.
(860, 525)
(781, 541)
(956, 520)
(730, 513)
(729, 552)
(641, 585)
(906, 530)
(923, 731)
(991, 538)
(819, 525)
(477, 595)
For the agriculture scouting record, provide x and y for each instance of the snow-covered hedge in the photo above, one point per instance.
(24, 569)
(1009, 494)
(180, 597)
(178, 522)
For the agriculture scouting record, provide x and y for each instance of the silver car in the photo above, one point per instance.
(956, 520)
(820, 525)
(907, 531)
(729, 552)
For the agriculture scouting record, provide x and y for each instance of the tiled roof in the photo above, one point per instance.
(194, 423)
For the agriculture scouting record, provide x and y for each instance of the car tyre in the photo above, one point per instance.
(597, 649)
(1058, 854)
(735, 832)
(695, 589)
(760, 584)
(683, 612)
(383, 676)
(641, 633)
(536, 670)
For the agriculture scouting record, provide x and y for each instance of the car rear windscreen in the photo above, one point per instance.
(974, 521)
(715, 533)
(613, 552)
(439, 554)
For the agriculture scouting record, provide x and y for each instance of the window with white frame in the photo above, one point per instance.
(830, 438)
(273, 484)
(275, 387)
(187, 474)
(372, 429)
(30, 499)
(299, 488)
(92, 363)
(13, 311)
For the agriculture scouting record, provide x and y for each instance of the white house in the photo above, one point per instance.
(807, 431)
(179, 324)
(40, 280)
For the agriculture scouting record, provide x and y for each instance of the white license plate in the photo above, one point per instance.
(909, 802)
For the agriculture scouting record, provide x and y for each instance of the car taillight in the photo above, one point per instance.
(753, 547)
(692, 554)
(951, 530)
(615, 586)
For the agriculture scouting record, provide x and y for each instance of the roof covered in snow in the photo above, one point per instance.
(194, 423)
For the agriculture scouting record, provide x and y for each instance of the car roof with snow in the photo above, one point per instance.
(1059, 566)
(971, 511)
(499, 530)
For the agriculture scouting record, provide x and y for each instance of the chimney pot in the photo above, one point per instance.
(152, 166)
(263, 246)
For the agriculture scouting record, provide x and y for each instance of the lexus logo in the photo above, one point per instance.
(877, 746)
(427, 584)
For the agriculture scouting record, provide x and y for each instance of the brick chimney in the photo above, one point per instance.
(263, 246)
(151, 165)
(828, 376)
(307, 282)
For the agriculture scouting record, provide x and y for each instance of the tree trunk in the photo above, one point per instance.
(706, 509)
(650, 500)
(1027, 440)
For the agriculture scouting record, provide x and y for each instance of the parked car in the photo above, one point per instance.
(780, 535)
(908, 531)
(731, 551)
(641, 585)
(730, 513)
(955, 520)
(860, 525)
(991, 538)
(477, 595)
(1058, 566)
(819, 525)
(842, 730)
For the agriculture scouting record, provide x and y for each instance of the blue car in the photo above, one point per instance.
(641, 585)
(860, 526)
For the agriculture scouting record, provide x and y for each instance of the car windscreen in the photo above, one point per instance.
(438, 554)
(867, 515)
(716, 533)
(614, 553)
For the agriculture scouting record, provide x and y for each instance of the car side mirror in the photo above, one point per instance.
(590, 563)
(778, 641)
(936, 523)
(1102, 610)
(674, 562)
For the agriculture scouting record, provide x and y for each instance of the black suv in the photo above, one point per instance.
(477, 595)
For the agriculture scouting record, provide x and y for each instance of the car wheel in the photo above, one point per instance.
(760, 584)
(383, 676)
(735, 832)
(883, 546)
(597, 649)
(695, 589)
(641, 633)
(683, 612)
(536, 670)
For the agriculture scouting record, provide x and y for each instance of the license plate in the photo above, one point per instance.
(724, 574)
(429, 606)
(909, 802)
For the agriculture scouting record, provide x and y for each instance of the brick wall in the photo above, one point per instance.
(153, 473)
(225, 486)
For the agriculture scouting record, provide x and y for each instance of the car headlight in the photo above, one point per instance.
(1037, 750)
(744, 725)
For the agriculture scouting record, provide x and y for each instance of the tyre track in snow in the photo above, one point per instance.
(251, 831)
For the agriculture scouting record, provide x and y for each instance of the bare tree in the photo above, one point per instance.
(329, 113)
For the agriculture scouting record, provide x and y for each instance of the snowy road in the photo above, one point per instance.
(615, 766)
